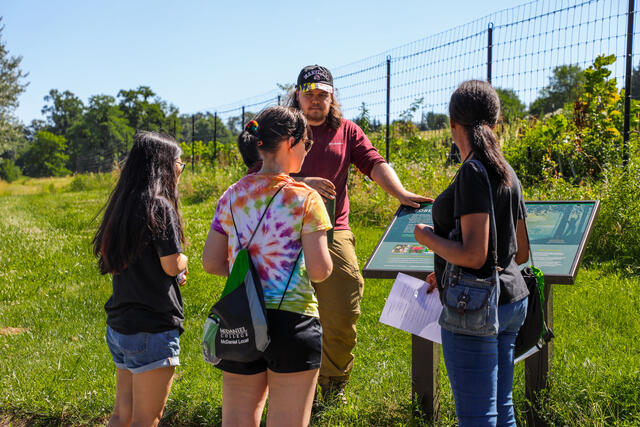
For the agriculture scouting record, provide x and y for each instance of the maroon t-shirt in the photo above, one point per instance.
(330, 156)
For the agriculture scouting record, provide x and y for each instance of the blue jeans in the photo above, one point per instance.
(480, 370)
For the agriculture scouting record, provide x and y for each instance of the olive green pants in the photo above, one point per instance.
(339, 305)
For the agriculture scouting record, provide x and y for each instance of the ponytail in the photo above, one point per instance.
(248, 147)
(486, 148)
(475, 105)
(267, 130)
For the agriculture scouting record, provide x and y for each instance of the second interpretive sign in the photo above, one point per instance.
(558, 231)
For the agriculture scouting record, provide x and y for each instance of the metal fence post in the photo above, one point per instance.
(489, 50)
(215, 136)
(242, 122)
(388, 101)
(193, 150)
(278, 99)
(627, 85)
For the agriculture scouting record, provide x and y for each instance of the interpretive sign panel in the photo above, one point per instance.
(558, 231)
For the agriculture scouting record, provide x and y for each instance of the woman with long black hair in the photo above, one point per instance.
(140, 243)
(480, 368)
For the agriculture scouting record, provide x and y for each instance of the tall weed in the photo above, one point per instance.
(93, 181)
(209, 182)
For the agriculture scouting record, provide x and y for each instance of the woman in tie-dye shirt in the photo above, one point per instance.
(290, 245)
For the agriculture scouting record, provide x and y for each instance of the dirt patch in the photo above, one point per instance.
(25, 420)
(13, 422)
(11, 331)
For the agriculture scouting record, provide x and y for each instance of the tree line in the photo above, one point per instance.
(75, 136)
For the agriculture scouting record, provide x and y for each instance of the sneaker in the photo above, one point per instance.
(335, 392)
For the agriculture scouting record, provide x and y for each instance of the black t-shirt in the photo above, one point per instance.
(145, 298)
(469, 194)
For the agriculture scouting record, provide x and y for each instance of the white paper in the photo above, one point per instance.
(411, 309)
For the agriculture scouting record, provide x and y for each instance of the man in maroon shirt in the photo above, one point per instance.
(338, 143)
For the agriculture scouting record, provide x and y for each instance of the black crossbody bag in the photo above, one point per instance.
(470, 303)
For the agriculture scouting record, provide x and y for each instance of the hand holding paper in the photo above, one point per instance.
(410, 308)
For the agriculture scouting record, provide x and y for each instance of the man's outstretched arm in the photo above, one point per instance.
(386, 177)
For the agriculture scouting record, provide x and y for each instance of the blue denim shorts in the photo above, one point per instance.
(144, 351)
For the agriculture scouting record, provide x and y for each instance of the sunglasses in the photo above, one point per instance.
(308, 143)
(182, 166)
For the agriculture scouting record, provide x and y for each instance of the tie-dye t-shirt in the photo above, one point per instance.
(296, 210)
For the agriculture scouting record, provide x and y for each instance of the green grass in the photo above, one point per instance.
(57, 369)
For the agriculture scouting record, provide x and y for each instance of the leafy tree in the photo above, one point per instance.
(143, 109)
(287, 90)
(407, 115)
(98, 140)
(434, 121)
(405, 124)
(363, 120)
(375, 125)
(172, 122)
(9, 171)
(62, 111)
(34, 127)
(234, 123)
(511, 106)
(12, 84)
(565, 85)
(581, 143)
(204, 128)
(45, 156)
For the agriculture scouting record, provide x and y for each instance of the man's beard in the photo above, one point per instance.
(316, 115)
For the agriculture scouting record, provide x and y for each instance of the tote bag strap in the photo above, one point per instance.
(290, 276)
(526, 230)
(259, 222)
(254, 233)
(492, 224)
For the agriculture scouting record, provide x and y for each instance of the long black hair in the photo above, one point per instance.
(267, 130)
(135, 212)
(475, 105)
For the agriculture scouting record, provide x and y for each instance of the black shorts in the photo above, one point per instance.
(296, 346)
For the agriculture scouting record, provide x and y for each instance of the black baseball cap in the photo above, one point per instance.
(315, 77)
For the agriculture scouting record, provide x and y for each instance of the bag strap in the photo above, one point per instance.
(526, 230)
(290, 276)
(492, 224)
(259, 222)
(256, 230)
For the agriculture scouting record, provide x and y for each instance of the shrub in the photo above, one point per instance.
(616, 234)
(582, 141)
(93, 181)
(209, 182)
(9, 171)
(46, 156)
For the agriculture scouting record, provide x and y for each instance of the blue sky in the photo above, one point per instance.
(202, 54)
